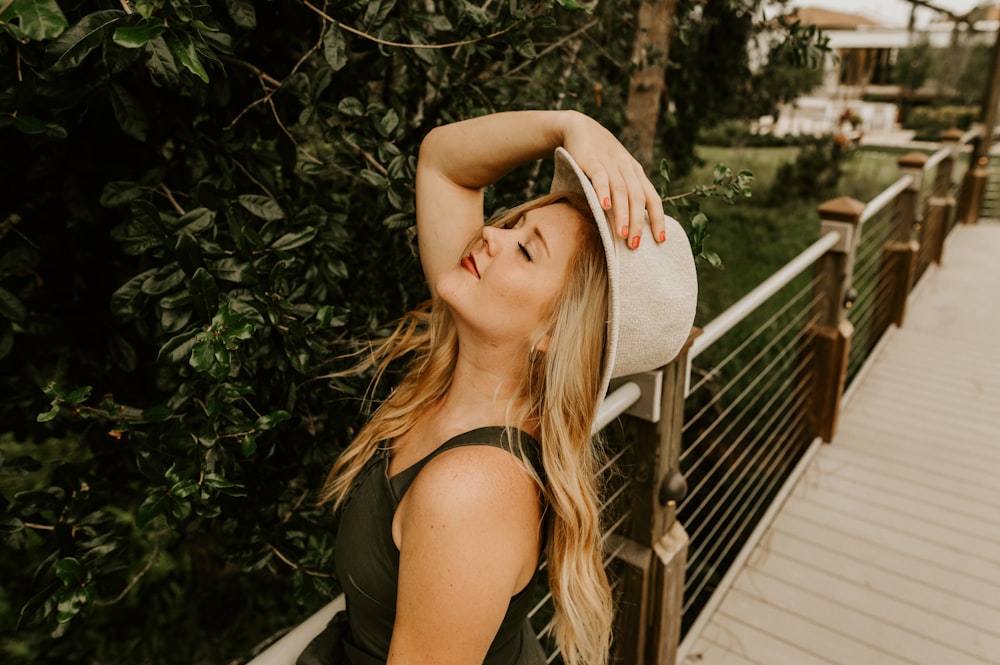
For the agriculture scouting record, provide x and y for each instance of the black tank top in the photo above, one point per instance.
(367, 560)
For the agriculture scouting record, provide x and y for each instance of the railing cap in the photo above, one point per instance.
(912, 160)
(953, 134)
(841, 209)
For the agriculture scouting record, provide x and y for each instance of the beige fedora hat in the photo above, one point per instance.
(653, 289)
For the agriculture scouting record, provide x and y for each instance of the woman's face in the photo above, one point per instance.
(504, 289)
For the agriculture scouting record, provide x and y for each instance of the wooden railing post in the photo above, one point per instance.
(831, 335)
(941, 205)
(899, 258)
(654, 551)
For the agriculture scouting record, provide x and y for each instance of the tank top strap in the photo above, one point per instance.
(523, 445)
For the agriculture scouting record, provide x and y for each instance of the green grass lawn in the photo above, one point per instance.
(754, 238)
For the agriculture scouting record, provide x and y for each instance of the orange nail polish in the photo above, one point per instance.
(635, 242)
(624, 232)
(663, 236)
(606, 203)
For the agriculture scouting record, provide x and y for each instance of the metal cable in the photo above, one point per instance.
(739, 398)
(797, 376)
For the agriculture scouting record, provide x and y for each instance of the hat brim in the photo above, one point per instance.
(569, 177)
(652, 289)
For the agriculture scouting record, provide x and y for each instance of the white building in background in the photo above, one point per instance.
(863, 53)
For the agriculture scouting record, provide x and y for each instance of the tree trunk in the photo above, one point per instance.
(648, 82)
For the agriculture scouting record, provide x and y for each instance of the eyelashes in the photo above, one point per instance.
(524, 250)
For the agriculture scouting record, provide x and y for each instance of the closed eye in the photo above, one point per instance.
(524, 250)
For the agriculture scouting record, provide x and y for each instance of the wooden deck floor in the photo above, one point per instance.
(887, 550)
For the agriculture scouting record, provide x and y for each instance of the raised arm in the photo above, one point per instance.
(457, 161)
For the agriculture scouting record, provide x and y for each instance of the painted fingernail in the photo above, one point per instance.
(663, 236)
(624, 232)
(635, 242)
(606, 203)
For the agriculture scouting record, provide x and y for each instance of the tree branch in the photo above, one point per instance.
(294, 565)
(145, 569)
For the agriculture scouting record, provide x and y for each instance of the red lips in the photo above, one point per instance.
(469, 263)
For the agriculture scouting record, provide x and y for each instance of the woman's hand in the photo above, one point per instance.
(619, 180)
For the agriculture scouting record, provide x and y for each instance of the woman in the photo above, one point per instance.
(481, 459)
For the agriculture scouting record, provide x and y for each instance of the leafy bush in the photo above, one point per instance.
(206, 204)
(929, 121)
(813, 174)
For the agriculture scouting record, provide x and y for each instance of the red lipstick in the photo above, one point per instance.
(469, 263)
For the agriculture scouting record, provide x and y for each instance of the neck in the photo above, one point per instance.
(485, 381)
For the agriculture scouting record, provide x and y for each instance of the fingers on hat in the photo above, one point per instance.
(602, 188)
(654, 207)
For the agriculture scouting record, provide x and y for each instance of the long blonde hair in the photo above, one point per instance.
(559, 390)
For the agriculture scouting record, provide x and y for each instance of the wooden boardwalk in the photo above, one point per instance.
(887, 550)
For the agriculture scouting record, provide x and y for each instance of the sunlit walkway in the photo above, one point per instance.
(887, 551)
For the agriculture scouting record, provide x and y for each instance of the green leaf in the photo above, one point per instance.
(204, 294)
(182, 46)
(388, 124)
(129, 113)
(525, 48)
(73, 602)
(154, 504)
(295, 239)
(11, 306)
(163, 280)
(188, 253)
(178, 349)
(218, 482)
(195, 221)
(48, 415)
(180, 509)
(119, 192)
(29, 124)
(160, 61)
(272, 420)
(373, 178)
(264, 207)
(184, 488)
(70, 572)
(73, 45)
(40, 19)
(376, 13)
(335, 48)
(79, 395)
(351, 106)
(202, 355)
(249, 445)
(712, 258)
(135, 36)
(243, 13)
(124, 300)
(157, 414)
(233, 270)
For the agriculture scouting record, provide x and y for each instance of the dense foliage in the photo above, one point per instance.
(206, 204)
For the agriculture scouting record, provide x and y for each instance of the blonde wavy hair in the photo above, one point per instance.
(558, 396)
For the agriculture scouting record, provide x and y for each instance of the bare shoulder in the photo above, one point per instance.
(478, 480)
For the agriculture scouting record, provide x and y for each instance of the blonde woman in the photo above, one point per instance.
(481, 460)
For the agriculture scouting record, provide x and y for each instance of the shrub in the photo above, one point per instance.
(813, 174)
(929, 122)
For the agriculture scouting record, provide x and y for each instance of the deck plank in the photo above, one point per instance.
(887, 551)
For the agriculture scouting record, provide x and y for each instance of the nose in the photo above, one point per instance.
(491, 239)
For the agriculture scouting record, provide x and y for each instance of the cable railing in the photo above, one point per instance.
(746, 417)
(867, 314)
